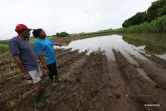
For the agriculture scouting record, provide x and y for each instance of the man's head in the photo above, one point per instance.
(39, 33)
(23, 30)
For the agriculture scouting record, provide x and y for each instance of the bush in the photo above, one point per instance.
(62, 34)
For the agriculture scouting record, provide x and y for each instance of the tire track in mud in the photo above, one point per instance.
(68, 57)
(155, 71)
(141, 92)
(65, 65)
(119, 92)
(90, 89)
(94, 83)
(154, 68)
(69, 69)
(63, 52)
(155, 59)
(59, 50)
(84, 86)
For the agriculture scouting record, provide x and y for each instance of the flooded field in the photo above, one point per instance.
(106, 73)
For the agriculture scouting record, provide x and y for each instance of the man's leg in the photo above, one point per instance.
(51, 74)
(56, 73)
(42, 91)
(37, 88)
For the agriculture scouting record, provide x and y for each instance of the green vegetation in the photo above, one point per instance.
(156, 43)
(62, 34)
(4, 48)
(4, 53)
(158, 25)
(4, 42)
(157, 9)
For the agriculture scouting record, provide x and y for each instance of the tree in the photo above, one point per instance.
(62, 34)
(134, 20)
(157, 9)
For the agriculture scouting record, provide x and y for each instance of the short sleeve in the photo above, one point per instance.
(14, 47)
(37, 48)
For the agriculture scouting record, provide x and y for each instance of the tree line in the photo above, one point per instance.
(157, 9)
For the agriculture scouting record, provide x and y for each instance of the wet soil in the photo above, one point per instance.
(90, 83)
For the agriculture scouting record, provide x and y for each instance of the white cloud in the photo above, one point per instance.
(72, 16)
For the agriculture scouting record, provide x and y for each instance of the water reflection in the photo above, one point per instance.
(127, 44)
(162, 56)
(107, 43)
(154, 43)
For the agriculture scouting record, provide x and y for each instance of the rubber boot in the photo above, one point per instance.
(39, 103)
(43, 94)
(53, 83)
(57, 78)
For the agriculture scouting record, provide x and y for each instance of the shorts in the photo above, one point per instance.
(36, 75)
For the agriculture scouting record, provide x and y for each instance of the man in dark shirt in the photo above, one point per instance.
(26, 60)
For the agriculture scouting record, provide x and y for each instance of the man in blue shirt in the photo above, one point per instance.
(45, 52)
(26, 60)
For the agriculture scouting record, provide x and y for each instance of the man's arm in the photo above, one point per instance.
(60, 44)
(42, 61)
(21, 66)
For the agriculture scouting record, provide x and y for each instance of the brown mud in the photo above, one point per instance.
(90, 83)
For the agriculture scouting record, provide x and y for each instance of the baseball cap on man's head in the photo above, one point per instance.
(21, 27)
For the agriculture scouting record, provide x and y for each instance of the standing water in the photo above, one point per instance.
(125, 44)
(107, 44)
(128, 46)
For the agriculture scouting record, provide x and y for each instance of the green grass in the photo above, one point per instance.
(4, 47)
(4, 53)
(154, 43)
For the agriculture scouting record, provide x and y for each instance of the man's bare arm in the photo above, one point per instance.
(20, 64)
(42, 61)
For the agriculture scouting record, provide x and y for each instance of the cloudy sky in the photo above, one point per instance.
(72, 16)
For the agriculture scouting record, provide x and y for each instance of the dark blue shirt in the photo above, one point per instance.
(26, 52)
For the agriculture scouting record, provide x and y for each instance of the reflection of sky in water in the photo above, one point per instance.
(162, 56)
(107, 43)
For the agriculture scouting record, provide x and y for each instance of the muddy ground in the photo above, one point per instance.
(90, 83)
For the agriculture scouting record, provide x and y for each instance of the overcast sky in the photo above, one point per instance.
(72, 16)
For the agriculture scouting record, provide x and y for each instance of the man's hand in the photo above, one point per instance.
(64, 44)
(27, 77)
(44, 66)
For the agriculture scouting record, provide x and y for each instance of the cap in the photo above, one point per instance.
(21, 27)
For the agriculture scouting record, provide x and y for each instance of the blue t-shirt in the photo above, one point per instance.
(26, 52)
(44, 47)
